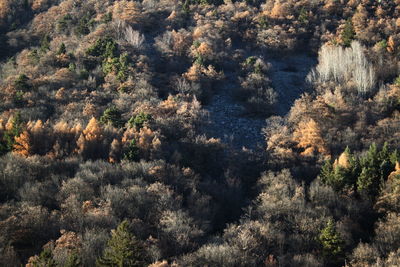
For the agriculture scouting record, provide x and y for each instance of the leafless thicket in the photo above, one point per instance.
(344, 65)
(126, 34)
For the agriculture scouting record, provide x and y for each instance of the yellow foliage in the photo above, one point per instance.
(342, 161)
(93, 130)
(194, 73)
(396, 171)
(163, 263)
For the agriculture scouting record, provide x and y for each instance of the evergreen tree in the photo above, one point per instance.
(373, 171)
(73, 260)
(326, 174)
(368, 182)
(45, 259)
(139, 120)
(123, 249)
(62, 49)
(21, 83)
(332, 244)
(348, 33)
(45, 44)
(132, 153)
(8, 139)
(112, 115)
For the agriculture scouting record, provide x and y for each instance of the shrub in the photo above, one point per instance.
(134, 38)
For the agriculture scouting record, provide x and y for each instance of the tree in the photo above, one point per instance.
(348, 33)
(113, 116)
(309, 137)
(123, 249)
(332, 243)
(89, 143)
(132, 152)
(45, 259)
(45, 43)
(21, 83)
(13, 129)
(23, 144)
(369, 181)
(138, 120)
(62, 49)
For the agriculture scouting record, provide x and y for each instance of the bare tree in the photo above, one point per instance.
(134, 38)
(344, 65)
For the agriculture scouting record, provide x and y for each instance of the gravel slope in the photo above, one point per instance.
(228, 118)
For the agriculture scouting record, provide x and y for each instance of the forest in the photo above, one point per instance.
(219, 133)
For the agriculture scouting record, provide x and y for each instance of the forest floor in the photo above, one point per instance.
(229, 120)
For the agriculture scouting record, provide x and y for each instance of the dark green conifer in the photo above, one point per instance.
(123, 249)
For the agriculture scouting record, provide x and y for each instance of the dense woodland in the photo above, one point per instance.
(107, 158)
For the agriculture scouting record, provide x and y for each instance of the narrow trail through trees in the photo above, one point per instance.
(228, 118)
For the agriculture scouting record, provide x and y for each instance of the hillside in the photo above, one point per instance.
(199, 133)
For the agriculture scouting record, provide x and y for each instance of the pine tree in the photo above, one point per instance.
(132, 152)
(62, 49)
(45, 44)
(45, 259)
(13, 129)
(138, 121)
(326, 174)
(123, 249)
(113, 116)
(332, 243)
(348, 33)
(370, 178)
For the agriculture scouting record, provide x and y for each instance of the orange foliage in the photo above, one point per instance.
(128, 11)
(308, 136)
(23, 145)
(148, 139)
(68, 240)
(169, 105)
(89, 142)
(182, 41)
(342, 161)
(33, 140)
(280, 10)
(39, 4)
(392, 44)
(396, 171)
(4, 9)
